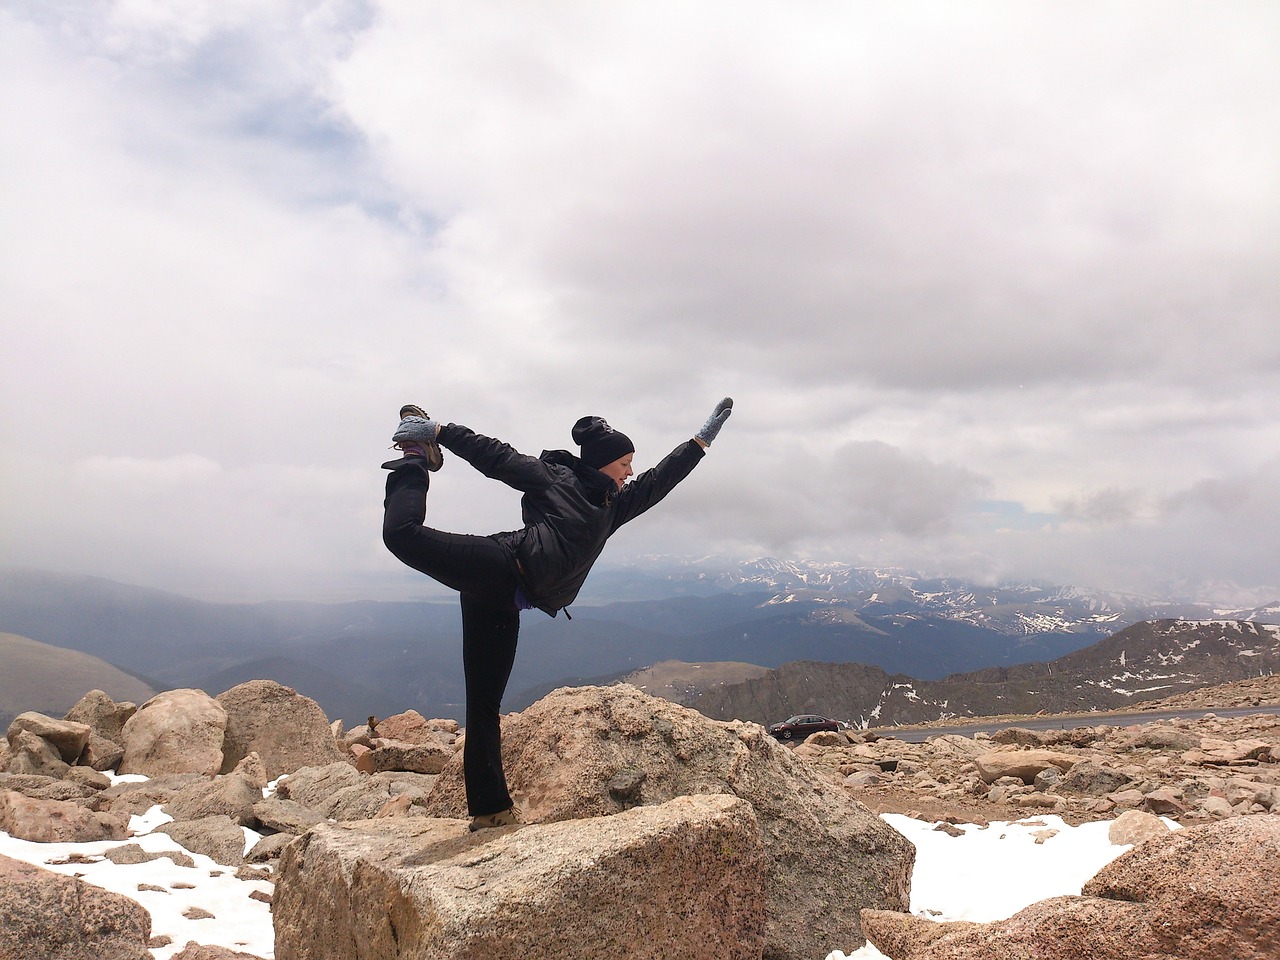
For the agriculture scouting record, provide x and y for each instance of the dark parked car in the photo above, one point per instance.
(799, 727)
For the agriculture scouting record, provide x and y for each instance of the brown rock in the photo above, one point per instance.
(179, 731)
(1023, 764)
(1215, 888)
(57, 821)
(67, 737)
(286, 816)
(1134, 826)
(33, 755)
(681, 879)
(563, 754)
(196, 951)
(287, 730)
(408, 727)
(101, 754)
(313, 786)
(104, 716)
(902, 935)
(46, 916)
(1061, 928)
(429, 757)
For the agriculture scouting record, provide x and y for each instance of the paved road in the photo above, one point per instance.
(920, 734)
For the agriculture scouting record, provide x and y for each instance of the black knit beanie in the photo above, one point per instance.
(601, 444)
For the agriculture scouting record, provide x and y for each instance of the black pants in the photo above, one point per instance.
(480, 569)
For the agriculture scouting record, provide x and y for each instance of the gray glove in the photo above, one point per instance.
(418, 430)
(714, 422)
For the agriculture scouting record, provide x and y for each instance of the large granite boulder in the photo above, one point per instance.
(102, 715)
(46, 916)
(287, 730)
(595, 751)
(67, 737)
(106, 719)
(178, 731)
(681, 879)
(57, 821)
(33, 755)
(1201, 893)
(1023, 764)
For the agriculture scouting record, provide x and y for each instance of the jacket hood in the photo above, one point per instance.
(598, 486)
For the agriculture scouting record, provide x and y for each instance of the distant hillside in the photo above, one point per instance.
(368, 657)
(48, 679)
(1146, 661)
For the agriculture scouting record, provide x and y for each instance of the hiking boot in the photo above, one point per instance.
(503, 818)
(427, 450)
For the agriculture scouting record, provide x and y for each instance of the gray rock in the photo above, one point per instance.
(137, 798)
(1094, 779)
(217, 837)
(269, 848)
(312, 786)
(233, 796)
(285, 816)
(679, 879)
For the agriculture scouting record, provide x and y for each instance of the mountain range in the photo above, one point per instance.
(1151, 660)
(363, 658)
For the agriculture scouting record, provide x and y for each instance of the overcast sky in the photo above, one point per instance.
(994, 285)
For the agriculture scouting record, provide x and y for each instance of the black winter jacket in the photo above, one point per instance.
(569, 509)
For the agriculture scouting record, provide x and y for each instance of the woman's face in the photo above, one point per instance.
(619, 470)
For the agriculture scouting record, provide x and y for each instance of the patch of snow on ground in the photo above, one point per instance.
(992, 872)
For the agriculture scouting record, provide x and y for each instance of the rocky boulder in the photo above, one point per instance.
(287, 730)
(102, 715)
(596, 751)
(46, 916)
(1214, 889)
(217, 837)
(1134, 826)
(178, 731)
(33, 755)
(1021, 764)
(1201, 893)
(105, 719)
(680, 879)
(66, 737)
(57, 821)
(232, 796)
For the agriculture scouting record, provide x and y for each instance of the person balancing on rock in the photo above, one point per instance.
(571, 506)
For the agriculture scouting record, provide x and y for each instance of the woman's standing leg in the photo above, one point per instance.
(480, 569)
(490, 628)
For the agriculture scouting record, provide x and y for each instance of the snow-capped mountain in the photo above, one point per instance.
(1010, 608)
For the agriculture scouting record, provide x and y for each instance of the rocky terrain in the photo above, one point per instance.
(626, 798)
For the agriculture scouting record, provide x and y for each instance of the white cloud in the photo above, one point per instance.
(939, 255)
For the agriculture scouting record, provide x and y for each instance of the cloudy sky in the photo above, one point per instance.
(994, 285)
